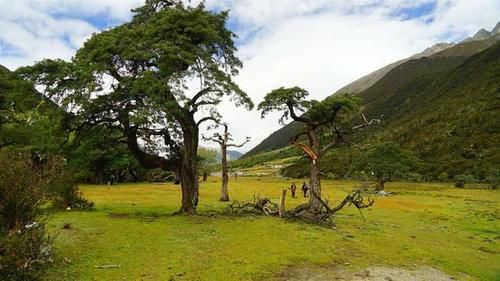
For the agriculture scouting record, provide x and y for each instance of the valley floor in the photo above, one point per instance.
(423, 225)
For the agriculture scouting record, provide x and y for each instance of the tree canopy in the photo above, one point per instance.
(136, 78)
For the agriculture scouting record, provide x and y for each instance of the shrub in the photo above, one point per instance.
(25, 252)
(493, 178)
(25, 249)
(65, 193)
(443, 177)
(297, 170)
(414, 177)
(461, 180)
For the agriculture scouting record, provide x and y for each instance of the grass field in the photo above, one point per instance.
(454, 230)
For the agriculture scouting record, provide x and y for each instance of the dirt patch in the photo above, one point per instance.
(338, 272)
(119, 215)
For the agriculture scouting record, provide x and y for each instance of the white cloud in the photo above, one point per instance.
(319, 45)
(324, 45)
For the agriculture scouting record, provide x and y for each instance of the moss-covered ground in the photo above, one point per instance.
(437, 225)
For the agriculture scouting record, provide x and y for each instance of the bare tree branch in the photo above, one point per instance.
(294, 116)
(366, 122)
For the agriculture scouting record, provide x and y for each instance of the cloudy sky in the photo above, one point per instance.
(319, 45)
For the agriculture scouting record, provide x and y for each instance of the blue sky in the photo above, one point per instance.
(320, 45)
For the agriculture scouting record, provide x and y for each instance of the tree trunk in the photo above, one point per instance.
(187, 172)
(281, 210)
(315, 186)
(205, 176)
(315, 183)
(224, 193)
(381, 185)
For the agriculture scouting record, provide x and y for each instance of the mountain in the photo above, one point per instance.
(450, 119)
(447, 118)
(443, 107)
(422, 67)
(233, 155)
(368, 80)
(483, 34)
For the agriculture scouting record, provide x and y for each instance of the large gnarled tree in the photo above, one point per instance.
(134, 78)
(223, 140)
(328, 120)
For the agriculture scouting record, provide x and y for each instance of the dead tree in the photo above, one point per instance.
(223, 140)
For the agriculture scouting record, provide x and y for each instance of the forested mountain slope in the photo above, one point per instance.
(450, 121)
(382, 97)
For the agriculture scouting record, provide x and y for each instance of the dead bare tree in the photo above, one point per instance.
(223, 140)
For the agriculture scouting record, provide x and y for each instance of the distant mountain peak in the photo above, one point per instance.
(482, 34)
(496, 29)
(436, 48)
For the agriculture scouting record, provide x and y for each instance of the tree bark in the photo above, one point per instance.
(381, 185)
(315, 180)
(282, 203)
(188, 170)
(224, 193)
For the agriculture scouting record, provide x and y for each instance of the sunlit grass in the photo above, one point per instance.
(455, 230)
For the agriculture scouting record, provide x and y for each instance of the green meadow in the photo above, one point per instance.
(132, 229)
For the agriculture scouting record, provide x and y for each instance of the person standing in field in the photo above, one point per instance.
(305, 188)
(293, 188)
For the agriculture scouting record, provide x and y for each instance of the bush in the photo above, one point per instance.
(414, 177)
(25, 249)
(65, 193)
(28, 182)
(297, 170)
(461, 180)
(443, 177)
(25, 252)
(493, 178)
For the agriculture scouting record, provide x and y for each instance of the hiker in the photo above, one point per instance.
(293, 188)
(305, 188)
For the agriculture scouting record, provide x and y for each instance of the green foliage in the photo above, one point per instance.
(148, 61)
(65, 194)
(99, 153)
(27, 119)
(25, 249)
(461, 180)
(207, 160)
(337, 108)
(386, 161)
(282, 99)
(259, 159)
(298, 169)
